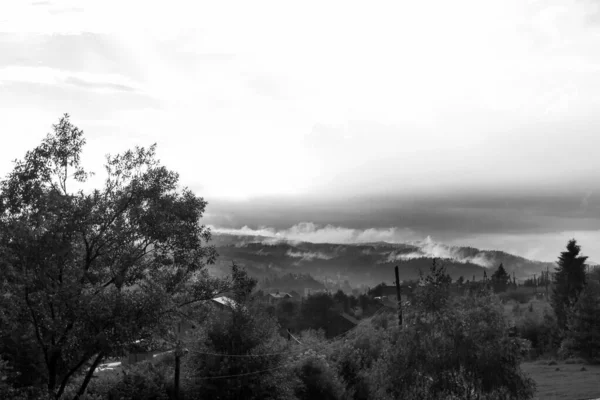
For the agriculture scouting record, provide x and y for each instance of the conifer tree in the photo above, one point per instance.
(500, 279)
(569, 280)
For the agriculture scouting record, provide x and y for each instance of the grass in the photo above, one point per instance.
(567, 383)
(537, 305)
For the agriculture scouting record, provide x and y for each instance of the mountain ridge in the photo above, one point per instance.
(364, 263)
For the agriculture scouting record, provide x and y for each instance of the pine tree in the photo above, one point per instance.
(569, 279)
(500, 279)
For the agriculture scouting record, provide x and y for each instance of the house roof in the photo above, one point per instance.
(280, 295)
(226, 301)
(350, 318)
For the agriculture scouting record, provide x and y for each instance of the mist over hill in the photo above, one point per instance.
(364, 263)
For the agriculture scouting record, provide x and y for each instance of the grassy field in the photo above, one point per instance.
(569, 382)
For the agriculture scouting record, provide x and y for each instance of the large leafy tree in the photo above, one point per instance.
(569, 280)
(87, 273)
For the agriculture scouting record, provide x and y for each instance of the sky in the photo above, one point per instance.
(473, 121)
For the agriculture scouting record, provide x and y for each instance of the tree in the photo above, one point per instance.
(569, 279)
(89, 273)
(316, 311)
(500, 279)
(463, 352)
(234, 345)
(434, 288)
(584, 323)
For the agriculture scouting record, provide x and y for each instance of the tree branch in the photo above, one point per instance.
(88, 376)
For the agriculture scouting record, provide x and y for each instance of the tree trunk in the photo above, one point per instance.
(88, 376)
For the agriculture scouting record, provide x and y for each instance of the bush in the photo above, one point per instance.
(355, 356)
(460, 351)
(583, 334)
(10, 388)
(542, 332)
(318, 380)
(516, 295)
(246, 330)
(140, 381)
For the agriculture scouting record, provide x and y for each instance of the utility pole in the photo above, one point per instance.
(399, 296)
(547, 281)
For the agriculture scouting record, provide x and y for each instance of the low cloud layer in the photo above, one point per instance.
(308, 256)
(542, 247)
(310, 232)
(429, 248)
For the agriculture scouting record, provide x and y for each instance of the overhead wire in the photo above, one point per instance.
(289, 363)
(330, 342)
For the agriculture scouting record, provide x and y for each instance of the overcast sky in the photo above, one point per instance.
(473, 121)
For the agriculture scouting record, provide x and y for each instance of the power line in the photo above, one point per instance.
(290, 352)
(283, 365)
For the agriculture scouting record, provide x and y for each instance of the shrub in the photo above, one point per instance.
(542, 332)
(355, 356)
(460, 351)
(516, 295)
(241, 331)
(583, 332)
(318, 380)
(140, 381)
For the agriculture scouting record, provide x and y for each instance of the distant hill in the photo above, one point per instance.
(365, 263)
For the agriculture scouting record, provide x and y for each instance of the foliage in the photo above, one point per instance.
(463, 352)
(243, 330)
(500, 279)
(355, 356)
(583, 335)
(140, 381)
(88, 273)
(569, 279)
(519, 296)
(542, 332)
(318, 380)
(8, 389)
(434, 289)
(316, 311)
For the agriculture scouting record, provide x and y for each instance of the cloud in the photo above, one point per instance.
(535, 246)
(431, 249)
(308, 256)
(313, 233)
(57, 77)
(96, 85)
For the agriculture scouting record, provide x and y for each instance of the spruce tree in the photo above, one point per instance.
(569, 280)
(500, 279)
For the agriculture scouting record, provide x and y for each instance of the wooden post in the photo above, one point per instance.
(547, 281)
(177, 370)
(399, 296)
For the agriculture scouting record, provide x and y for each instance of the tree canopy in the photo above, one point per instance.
(87, 273)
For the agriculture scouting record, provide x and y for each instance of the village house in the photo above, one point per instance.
(277, 297)
(181, 329)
